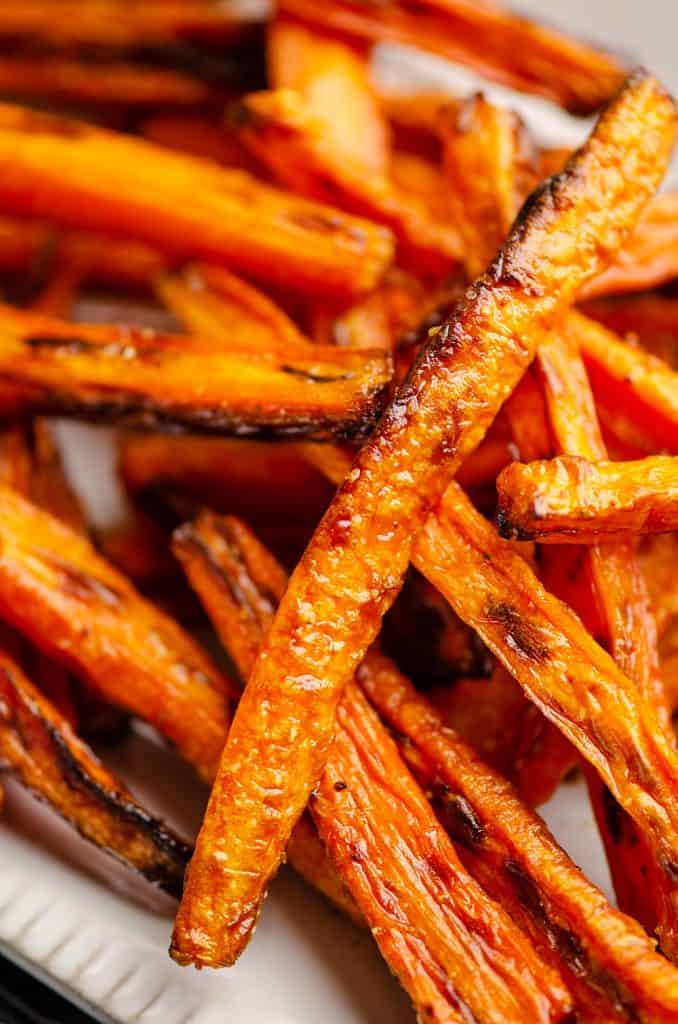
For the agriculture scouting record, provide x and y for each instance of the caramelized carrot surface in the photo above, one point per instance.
(78, 609)
(38, 746)
(397, 862)
(80, 176)
(489, 38)
(152, 380)
(353, 566)
(572, 500)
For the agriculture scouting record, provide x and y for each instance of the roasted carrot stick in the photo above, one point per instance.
(75, 607)
(333, 78)
(377, 840)
(650, 320)
(612, 968)
(281, 131)
(201, 136)
(636, 394)
(137, 376)
(572, 500)
(614, 725)
(119, 23)
(81, 176)
(489, 38)
(38, 745)
(115, 84)
(353, 566)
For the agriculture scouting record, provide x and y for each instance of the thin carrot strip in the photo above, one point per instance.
(80, 176)
(353, 567)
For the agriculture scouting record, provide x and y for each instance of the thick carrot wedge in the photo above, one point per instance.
(353, 567)
(75, 607)
(139, 377)
(487, 37)
(377, 840)
(38, 746)
(636, 394)
(572, 500)
(81, 176)
(333, 78)
(282, 132)
(612, 968)
(572, 680)
(119, 23)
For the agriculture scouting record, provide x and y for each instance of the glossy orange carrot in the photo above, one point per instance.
(353, 567)
(80, 176)
(75, 607)
(282, 132)
(137, 376)
(334, 80)
(650, 320)
(490, 38)
(575, 501)
(38, 745)
(377, 840)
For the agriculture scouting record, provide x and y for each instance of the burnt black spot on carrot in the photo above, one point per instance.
(518, 633)
(508, 530)
(340, 786)
(613, 815)
(459, 818)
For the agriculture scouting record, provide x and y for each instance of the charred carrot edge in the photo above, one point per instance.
(60, 78)
(38, 745)
(492, 40)
(562, 670)
(490, 166)
(136, 376)
(279, 129)
(80, 176)
(331, 75)
(650, 257)
(641, 387)
(612, 968)
(372, 838)
(346, 581)
(115, 23)
(571, 500)
(74, 606)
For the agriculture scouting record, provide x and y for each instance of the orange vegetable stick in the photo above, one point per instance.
(650, 320)
(353, 566)
(333, 78)
(134, 375)
(81, 176)
(38, 746)
(487, 37)
(201, 136)
(377, 840)
(282, 132)
(572, 500)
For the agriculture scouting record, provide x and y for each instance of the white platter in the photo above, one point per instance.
(105, 947)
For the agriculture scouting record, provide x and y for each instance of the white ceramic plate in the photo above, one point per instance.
(77, 921)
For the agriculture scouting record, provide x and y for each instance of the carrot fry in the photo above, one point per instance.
(488, 38)
(80, 176)
(612, 968)
(574, 501)
(649, 320)
(137, 376)
(115, 84)
(376, 839)
(38, 745)
(200, 136)
(572, 680)
(650, 257)
(625, 378)
(76, 608)
(333, 78)
(657, 556)
(119, 23)
(353, 567)
(280, 130)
